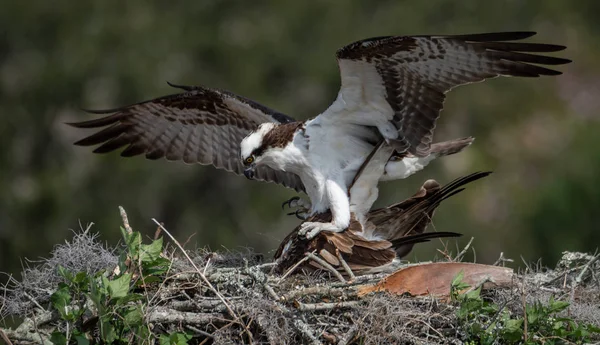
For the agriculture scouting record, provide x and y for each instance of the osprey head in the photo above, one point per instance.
(254, 148)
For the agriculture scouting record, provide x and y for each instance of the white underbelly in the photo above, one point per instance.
(335, 153)
(401, 169)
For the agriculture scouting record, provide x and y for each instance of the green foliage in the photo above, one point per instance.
(487, 323)
(112, 302)
(175, 339)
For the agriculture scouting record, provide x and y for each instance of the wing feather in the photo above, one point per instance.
(201, 125)
(412, 74)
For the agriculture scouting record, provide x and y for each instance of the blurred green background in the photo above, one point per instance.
(539, 136)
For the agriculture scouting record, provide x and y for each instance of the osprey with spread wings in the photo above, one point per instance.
(392, 92)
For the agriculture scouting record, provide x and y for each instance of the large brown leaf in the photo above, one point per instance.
(435, 278)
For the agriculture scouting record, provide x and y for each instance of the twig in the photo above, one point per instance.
(5, 337)
(460, 255)
(326, 265)
(502, 260)
(168, 315)
(264, 322)
(324, 306)
(430, 327)
(188, 239)
(262, 278)
(345, 292)
(495, 317)
(585, 268)
(306, 331)
(125, 220)
(203, 277)
(32, 300)
(349, 336)
(485, 279)
(445, 254)
(206, 265)
(345, 265)
(293, 268)
(199, 331)
(593, 277)
(265, 265)
(164, 281)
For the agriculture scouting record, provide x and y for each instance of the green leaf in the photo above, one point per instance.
(58, 338)
(95, 294)
(119, 287)
(147, 280)
(175, 339)
(133, 242)
(156, 267)
(474, 294)
(133, 317)
(130, 297)
(532, 315)
(151, 252)
(458, 285)
(558, 325)
(164, 339)
(81, 339)
(80, 277)
(458, 278)
(557, 306)
(107, 330)
(593, 328)
(61, 299)
(580, 332)
(66, 274)
(512, 329)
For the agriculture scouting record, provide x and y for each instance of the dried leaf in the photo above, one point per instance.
(435, 278)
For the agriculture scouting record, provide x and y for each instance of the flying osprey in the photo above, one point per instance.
(389, 233)
(392, 91)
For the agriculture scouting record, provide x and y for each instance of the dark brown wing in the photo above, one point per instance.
(408, 76)
(202, 125)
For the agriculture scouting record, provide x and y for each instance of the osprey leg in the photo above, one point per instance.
(340, 210)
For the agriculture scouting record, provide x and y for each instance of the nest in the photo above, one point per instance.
(232, 298)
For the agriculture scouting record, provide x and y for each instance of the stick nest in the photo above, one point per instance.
(260, 308)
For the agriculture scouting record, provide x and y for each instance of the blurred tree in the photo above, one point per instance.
(538, 135)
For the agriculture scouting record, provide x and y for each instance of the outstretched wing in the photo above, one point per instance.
(405, 78)
(201, 125)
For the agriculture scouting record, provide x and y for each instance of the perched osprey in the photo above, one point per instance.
(389, 233)
(392, 91)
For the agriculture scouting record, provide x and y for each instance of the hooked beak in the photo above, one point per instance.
(249, 172)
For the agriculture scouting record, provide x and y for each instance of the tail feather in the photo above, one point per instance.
(450, 147)
(420, 238)
(431, 202)
(398, 221)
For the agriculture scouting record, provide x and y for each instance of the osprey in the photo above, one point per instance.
(388, 234)
(392, 92)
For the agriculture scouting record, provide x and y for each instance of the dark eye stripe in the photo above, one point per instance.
(258, 151)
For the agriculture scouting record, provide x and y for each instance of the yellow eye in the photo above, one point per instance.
(249, 160)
